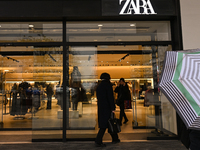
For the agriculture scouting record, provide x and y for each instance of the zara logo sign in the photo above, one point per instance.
(137, 7)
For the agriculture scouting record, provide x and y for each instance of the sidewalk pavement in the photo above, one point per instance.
(89, 145)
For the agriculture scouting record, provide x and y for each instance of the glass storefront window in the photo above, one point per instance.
(160, 113)
(30, 32)
(41, 68)
(31, 77)
(118, 31)
(47, 76)
(82, 104)
(15, 69)
(135, 63)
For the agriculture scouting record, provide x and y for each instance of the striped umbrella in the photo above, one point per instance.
(180, 83)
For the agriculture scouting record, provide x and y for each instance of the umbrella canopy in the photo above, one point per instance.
(180, 83)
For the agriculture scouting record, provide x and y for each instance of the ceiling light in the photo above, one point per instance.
(132, 25)
(100, 25)
(31, 26)
(6, 70)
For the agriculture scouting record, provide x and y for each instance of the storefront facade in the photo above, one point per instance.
(52, 55)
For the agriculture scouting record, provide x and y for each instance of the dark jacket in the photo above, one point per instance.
(105, 103)
(183, 132)
(49, 90)
(123, 91)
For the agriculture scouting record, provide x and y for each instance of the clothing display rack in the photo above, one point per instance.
(18, 108)
(5, 104)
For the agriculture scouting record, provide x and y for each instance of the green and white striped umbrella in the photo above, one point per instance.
(180, 83)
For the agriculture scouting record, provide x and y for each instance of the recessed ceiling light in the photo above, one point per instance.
(132, 25)
(31, 26)
(100, 25)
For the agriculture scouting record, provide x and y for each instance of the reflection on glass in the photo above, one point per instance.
(31, 32)
(158, 107)
(76, 87)
(118, 31)
(47, 77)
(83, 78)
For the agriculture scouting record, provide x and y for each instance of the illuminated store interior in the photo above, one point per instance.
(38, 67)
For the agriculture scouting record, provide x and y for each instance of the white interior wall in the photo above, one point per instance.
(190, 16)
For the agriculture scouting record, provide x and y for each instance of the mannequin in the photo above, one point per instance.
(76, 87)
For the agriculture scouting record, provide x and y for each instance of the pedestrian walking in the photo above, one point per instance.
(106, 105)
(123, 94)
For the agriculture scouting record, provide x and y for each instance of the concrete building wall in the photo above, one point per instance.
(190, 16)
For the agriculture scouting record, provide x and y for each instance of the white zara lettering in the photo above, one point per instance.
(135, 7)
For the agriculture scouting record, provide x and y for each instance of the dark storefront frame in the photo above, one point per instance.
(176, 41)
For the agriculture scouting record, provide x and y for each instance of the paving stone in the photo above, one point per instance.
(149, 145)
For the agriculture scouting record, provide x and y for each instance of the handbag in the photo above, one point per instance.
(113, 124)
(127, 104)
